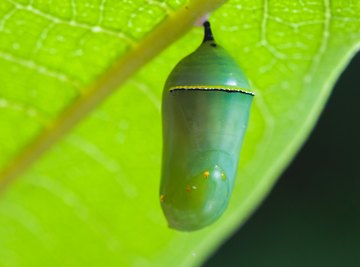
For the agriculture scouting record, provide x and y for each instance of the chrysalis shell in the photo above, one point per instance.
(205, 110)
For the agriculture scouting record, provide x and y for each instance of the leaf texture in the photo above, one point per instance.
(92, 199)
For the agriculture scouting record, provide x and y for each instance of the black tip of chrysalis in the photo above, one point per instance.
(208, 36)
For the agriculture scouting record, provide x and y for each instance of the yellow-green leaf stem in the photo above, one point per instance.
(166, 33)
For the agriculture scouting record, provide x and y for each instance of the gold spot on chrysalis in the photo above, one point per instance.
(223, 176)
(206, 174)
(162, 198)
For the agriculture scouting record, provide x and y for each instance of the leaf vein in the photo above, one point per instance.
(42, 69)
(74, 23)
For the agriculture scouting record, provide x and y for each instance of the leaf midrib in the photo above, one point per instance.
(123, 68)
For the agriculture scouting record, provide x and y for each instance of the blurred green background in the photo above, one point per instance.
(312, 216)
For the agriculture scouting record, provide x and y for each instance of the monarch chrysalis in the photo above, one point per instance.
(205, 110)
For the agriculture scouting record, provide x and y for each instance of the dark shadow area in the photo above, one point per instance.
(312, 216)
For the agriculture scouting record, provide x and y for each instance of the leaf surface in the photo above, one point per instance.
(92, 199)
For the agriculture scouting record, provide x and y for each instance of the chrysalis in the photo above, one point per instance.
(205, 110)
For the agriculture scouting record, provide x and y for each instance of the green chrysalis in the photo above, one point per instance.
(205, 110)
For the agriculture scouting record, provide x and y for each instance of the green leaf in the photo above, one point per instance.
(92, 198)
